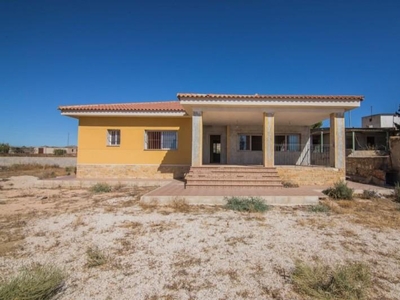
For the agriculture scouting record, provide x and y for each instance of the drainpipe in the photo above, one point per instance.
(353, 134)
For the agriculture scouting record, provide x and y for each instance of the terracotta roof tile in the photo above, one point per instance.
(272, 97)
(167, 106)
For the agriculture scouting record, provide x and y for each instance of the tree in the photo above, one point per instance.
(397, 114)
(317, 125)
(4, 148)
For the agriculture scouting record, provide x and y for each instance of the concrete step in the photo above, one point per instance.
(233, 176)
(233, 183)
(212, 175)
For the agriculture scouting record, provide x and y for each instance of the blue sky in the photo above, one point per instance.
(80, 52)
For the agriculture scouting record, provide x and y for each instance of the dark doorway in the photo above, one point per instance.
(215, 149)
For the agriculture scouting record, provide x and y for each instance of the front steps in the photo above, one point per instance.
(228, 176)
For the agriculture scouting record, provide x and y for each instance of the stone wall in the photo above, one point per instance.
(394, 144)
(303, 175)
(132, 171)
(60, 161)
(368, 169)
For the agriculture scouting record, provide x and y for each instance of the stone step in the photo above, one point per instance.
(233, 183)
(256, 176)
(212, 175)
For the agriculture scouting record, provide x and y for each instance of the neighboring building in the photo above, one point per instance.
(380, 121)
(69, 150)
(21, 150)
(374, 135)
(166, 139)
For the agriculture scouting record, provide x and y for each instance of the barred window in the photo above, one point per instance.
(113, 137)
(250, 142)
(161, 140)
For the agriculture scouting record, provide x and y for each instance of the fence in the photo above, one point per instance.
(305, 155)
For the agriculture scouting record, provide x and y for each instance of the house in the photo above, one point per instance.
(380, 121)
(49, 150)
(167, 139)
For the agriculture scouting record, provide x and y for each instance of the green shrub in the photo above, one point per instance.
(349, 281)
(339, 191)
(59, 152)
(101, 187)
(95, 257)
(33, 283)
(396, 193)
(4, 148)
(251, 204)
(369, 194)
(319, 208)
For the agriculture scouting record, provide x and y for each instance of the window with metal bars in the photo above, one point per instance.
(113, 137)
(161, 140)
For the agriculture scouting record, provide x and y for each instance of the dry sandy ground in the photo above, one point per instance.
(182, 252)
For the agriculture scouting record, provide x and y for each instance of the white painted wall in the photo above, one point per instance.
(379, 121)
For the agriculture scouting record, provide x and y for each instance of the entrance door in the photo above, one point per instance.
(215, 149)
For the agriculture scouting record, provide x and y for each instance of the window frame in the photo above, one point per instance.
(286, 145)
(161, 141)
(109, 138)
(250, 142)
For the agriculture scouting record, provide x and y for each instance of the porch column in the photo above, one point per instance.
(197, 138)
(268, 140)
(337, 141)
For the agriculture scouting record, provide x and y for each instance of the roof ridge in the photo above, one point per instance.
(121, 103)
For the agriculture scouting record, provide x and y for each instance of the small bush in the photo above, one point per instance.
(34, 283)
(319, 208)
(369, 194)
(289, 184)
(252, 204)
(396, 193)
(59, 152)
(341, 282)
(339, 191)
(101, 187)
(95, 257)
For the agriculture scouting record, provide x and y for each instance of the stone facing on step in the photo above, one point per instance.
(132, 171)
(303, 175)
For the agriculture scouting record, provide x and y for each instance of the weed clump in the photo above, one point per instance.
(319, 208)
(340, 191)
(349, 281)
(289, 184)
(95, 257)
(101, 187)
(369, 194)
(251, 204)
(38, 282)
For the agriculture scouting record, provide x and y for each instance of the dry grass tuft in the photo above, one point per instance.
(41, 171)
(34, 283)
(95, 257)
(180, 205)
(78, 222)
(377, 213)
(149, 206)
(350, 281)
(11, 234)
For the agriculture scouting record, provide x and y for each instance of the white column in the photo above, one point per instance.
(337, 141)
(197, 138)
(268, 139)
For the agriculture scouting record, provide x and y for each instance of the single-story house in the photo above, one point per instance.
(167, 139)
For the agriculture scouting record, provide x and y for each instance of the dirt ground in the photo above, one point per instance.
(190, 252)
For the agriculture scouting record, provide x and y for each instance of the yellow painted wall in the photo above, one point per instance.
(93, 148)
